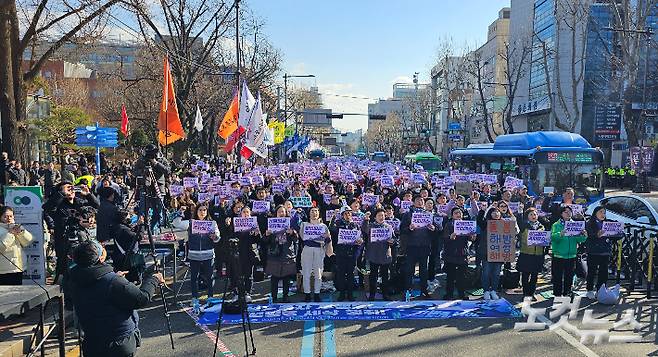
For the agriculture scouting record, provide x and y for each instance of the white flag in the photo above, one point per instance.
(255, 136)
(198, 121)
(247, 103)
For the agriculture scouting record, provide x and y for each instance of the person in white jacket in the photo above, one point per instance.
(202, 234)
(13, 238)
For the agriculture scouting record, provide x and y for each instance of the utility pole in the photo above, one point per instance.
(238, 145)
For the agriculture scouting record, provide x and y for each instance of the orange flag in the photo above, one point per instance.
(169, 124)
(230, 122)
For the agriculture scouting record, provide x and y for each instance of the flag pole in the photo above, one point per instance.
(238, 147)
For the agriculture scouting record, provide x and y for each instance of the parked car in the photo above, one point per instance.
(629, 209)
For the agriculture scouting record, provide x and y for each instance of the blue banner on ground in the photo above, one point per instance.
(378, 310)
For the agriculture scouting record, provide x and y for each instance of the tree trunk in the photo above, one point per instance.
(12, 101)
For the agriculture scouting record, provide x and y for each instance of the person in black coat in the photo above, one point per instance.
(248, 250)
(599, 249)
(346, 254)
(106, 303)
(60, 211)
(455, 250)
(108, 216)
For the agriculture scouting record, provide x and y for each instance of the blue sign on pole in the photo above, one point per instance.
(454, 126)
(98, 137)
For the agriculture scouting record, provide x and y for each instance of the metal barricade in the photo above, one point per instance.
(633, 259)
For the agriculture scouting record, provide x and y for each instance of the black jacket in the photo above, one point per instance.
(57, 212)
(454, 251)
(344, 250)
(107, 220)
(598, 245)
(105, 304)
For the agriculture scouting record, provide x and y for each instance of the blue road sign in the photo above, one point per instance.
(454, 126)
(98, 137)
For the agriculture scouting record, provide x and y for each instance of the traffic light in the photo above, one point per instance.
(334, 116)
(376, 117)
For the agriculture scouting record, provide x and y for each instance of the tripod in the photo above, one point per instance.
(146, 200)
(236, 275)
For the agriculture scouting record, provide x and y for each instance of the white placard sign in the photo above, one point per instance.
(540, 238)
(573, 228)
(348, 236)
(205, 196)
(190, 182)
(202, 227)
(301, 201)
(260, 206)
(612, 229)
(370, 199)
(329, 214)
(387, 181)
(464, 228)
(380, 234)
(243, 224)
(421, 219)
(314, 232)
(278, 224)
(405, 206)
(176, 190)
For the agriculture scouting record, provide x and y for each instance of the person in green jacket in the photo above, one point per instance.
(564, 249)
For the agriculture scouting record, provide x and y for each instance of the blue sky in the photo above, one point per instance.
(362, 47)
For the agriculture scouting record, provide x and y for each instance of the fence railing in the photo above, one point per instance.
(633, 259)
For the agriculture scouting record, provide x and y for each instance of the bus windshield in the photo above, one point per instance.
(429, 164)
(583, 178)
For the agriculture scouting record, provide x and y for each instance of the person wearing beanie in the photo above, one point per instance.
(106, 303)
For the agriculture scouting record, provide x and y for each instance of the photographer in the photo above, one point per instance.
(105, 303)
(126, 256)
(151, 172)
(61, 212)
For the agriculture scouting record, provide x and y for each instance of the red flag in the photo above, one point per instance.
(124, 120)
(246, 152)
(233, 139)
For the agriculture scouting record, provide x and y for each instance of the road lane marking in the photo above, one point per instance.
(329, 340)
(308, 339)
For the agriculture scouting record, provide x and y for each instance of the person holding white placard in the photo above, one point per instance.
(419, 242)
(313, 254)
(346, 254)
(565, 249)
(248, 250)
(531, 257)
(455, 253)
(281, 253)
(378, 253)
(599, 249)
(13, 238)
(201, 250)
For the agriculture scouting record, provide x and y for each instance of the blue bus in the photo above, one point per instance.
(547, 161)
(379, 156)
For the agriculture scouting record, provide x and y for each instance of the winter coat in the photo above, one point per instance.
(11, 246)
(377, 252)
(454, 251)
(106, 303)
(565, 247)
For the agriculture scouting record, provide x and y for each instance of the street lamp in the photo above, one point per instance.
(285, 91)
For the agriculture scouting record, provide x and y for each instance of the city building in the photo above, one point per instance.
(451, 98)
(492, 58)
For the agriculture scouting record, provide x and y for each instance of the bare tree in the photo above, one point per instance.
(516, 57)
(630, 18)
(386, 136)
(59, 21)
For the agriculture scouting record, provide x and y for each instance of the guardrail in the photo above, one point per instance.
(633, 259)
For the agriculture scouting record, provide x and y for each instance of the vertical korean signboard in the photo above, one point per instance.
(501, 241)
(26, 202)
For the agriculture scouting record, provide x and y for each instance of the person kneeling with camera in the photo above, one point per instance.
(105, 303)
